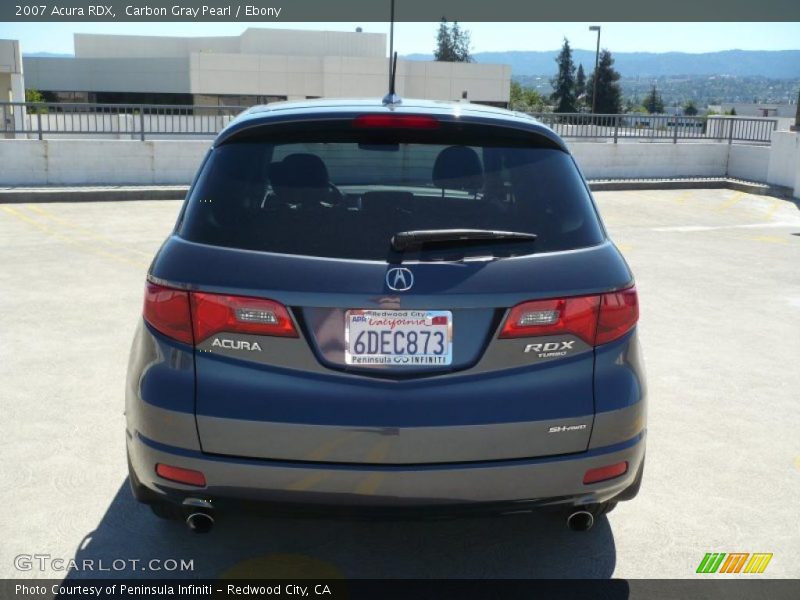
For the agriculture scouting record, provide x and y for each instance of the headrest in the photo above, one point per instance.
(459, 168)
(300, 171)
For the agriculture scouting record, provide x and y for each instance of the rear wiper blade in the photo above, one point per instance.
(404, 240)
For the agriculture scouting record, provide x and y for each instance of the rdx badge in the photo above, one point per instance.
(551, 348)
(236, 344)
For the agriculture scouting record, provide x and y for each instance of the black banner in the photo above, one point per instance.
(405, 10)
(406, 589)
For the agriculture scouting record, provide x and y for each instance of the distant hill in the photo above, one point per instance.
(46, 55)
(703, 89)
(779, 64)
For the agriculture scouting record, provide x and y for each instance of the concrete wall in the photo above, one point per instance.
(784, 163)
(99, 162)
(64, 74)
(293, 76)
(749, 162)
(261, 62)
(174, 162)
(650, 160)
(12, 83)
(252, 41)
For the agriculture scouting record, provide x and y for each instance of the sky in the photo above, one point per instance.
(420, 37)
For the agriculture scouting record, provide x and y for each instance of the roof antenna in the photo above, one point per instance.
(392, 97)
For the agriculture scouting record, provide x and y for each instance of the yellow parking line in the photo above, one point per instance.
(773, 208)
(371, 482)
(323, 451)
(770, 239)
(308, 481)
(85, 245)
(681, 199)
(85, 230)
(735, 199)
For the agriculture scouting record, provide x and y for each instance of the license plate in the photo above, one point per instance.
(401, 338)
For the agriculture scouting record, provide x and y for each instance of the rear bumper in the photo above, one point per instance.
(544, 481)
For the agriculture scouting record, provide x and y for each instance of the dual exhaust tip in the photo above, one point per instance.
(201, 520)
(580, 520)
(199, 515)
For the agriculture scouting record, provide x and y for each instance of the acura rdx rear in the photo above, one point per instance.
(405, 307)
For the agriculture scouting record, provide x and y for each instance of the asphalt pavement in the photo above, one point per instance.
(718, 273)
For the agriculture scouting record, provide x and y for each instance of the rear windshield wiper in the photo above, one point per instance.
(404, 240)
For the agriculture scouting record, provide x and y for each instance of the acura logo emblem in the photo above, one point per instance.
(399, 279)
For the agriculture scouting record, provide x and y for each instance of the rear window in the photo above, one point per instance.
(345, 197)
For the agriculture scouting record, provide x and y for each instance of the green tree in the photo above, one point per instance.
(609, 94)
(580, 85)
(32, 95)
(525, 98)
(444, 44)
(452, 43)
(462, 43)
(653, 102)
(690, 109)
(564, 82)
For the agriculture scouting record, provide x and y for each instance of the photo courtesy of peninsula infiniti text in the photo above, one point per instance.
(403, 307)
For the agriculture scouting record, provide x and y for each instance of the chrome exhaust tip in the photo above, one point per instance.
(580, 520)
(200, 522)
(199, 514)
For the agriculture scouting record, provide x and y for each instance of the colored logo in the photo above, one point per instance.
(734, 562)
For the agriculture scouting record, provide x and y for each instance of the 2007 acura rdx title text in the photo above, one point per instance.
(370, 306)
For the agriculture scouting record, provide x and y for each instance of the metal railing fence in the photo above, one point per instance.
(142, 121)
(660, 127)
(118, 121)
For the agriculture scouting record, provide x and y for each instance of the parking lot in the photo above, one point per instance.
(718, 273)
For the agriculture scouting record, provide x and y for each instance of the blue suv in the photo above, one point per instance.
(406, 306)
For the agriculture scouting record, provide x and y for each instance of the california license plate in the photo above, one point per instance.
(402, 338)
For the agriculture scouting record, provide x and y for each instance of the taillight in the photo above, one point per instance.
(577, 316)
(167, 310)
(619, 312)
(191, 317)
(214, 313)
(395, 122)
(596, 319)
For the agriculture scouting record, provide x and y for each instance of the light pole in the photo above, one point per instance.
(596, 63)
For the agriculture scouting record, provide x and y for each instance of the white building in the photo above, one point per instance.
(258, 66)
(12, 88)
(752, 109)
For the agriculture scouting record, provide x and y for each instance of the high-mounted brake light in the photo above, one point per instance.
(395, 122)
(191, 317)
(214, 313)
(596, 319)
(167, 310)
